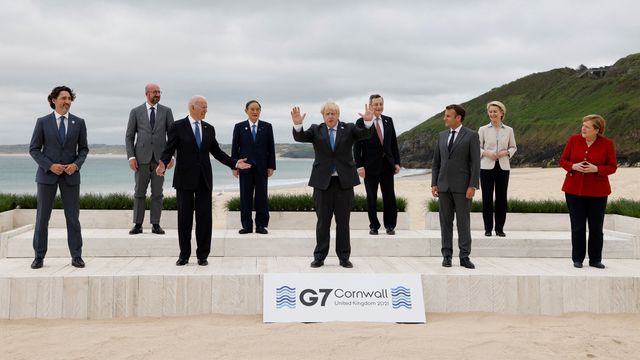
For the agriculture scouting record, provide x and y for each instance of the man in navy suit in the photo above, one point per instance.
(192, 140)
(378, 160)
(59, 147)
(253, 140)
(333, 175)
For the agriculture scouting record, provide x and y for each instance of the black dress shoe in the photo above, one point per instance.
(156, 229)
(446, 261)
(203, 262)
(466, 263)
(346, 264)
(317, 263)
(182, 262)
(577, 264)
(487, 233)
(261, 230)
(500, 233)
(245, 231)
(137, 229)
(373, 231)
(598, 265)
(77, 262)
(37, 263)
(391, 231)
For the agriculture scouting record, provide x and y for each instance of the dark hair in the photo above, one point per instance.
(246, 107)
(458, 109)
(56, 92)
(375, 96)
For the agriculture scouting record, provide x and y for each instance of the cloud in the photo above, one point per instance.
(420, 55)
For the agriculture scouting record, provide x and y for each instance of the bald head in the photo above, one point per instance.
(198, 107)
(152, 92)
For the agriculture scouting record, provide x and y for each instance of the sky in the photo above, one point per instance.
(419, 55)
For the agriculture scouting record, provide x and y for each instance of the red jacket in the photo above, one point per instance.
(601, 153)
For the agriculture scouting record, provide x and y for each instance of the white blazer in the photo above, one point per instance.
(496, 140)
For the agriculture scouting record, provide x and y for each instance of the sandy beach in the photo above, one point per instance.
(444, 336)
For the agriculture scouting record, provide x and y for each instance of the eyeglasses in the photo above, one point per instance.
(156, 92)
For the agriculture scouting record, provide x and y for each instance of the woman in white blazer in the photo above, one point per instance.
(497, 146)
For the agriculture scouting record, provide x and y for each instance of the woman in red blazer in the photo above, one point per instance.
(589, 158)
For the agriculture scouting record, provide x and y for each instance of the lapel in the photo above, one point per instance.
(340, 132)
(72, 127)
(51, 126)
(385, 127)
(189, 129)
(459, 138)
(324, 135)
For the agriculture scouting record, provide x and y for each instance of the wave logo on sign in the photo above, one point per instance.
(285, 297)
(401, 297)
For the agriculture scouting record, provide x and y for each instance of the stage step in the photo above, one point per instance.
(117, 242)
(153, 286)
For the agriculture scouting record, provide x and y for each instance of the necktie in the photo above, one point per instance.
(453, 136)
(198, 140)
(332, 139)
(61, 130)
(253, 132)
(379, 131)
(152, 117)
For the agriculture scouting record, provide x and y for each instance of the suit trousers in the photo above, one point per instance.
(498, 180)
(384, 179)
(455, 204)
(333, 201)
(70, 195)
(583, 209)
(253, 181)
(200, 201)
(147, 173)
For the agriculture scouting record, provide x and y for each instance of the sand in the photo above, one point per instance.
(445, 336)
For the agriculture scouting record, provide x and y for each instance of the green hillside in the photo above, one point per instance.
(544, 109)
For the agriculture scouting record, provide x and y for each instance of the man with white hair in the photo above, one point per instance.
(192, 140)
(333, 175)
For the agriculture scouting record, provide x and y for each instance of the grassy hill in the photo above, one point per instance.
(544, 109)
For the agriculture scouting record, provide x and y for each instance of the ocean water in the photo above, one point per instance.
(109, 174)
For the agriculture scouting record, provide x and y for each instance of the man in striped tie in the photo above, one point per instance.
(378, 160)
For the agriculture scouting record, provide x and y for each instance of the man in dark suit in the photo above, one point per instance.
(455, 177)
(150, 122)
(333, 175)
(253, 140)
(378, 160)
(192, 140)
(59, 147)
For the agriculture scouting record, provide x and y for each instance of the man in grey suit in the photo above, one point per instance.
(59, 147)
(150, 122)
(455, 177)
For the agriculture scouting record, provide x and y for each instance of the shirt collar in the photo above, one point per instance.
(335, 127)
(501, 125)
(192, 120)
(149, 106)
(66, 116)
(457, 130)
(251, 124)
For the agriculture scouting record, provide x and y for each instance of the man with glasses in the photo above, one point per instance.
(146, 137)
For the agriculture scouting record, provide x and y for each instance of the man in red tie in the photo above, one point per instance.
(378, 160)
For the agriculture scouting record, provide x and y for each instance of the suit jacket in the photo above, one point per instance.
(261, 153)
(372, 155)
(192, 161)
(46, 149)
(458, 170)
(495, 142)
(601, 153)
(149, 141)
(326, 159)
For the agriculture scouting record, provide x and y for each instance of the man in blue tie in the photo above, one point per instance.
(59, 147)
(192, 140)
(333, 175)
(253, 140)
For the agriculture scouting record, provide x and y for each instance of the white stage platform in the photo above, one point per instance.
(153, 286)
